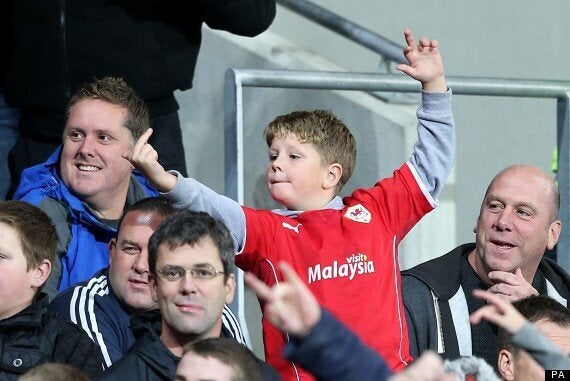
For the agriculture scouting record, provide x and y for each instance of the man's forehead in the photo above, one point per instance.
(202, 251)
(530, 189)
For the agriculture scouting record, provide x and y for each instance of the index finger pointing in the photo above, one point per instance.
(144, 138)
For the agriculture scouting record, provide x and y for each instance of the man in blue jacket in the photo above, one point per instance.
(86, 184)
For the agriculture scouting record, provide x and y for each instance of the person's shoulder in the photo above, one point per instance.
(146, 358)
(94, 290)
(557, 276)
(429, 274)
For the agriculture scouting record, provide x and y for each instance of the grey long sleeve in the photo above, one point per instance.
(540, 348)
(434, 152)
(193, 195)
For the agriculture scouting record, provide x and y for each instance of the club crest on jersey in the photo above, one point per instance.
(358, 213)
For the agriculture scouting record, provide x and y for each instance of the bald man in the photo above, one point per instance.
(517, 222)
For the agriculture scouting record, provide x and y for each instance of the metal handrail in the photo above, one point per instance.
(354, 32)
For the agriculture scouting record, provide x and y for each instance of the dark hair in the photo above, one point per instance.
(187, 228)
(246, 366)
(34, 228)
(535, 308)
(116, 91)
(157, 205)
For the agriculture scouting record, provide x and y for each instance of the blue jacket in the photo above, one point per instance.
(82, 237)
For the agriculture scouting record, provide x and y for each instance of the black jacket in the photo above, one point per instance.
(33, 337)
(149, 360)
(428, 288)
(152, 44)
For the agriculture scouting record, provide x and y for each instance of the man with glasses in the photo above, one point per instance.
(191, 277)
(105, 305)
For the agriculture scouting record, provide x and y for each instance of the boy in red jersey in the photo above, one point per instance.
(344, 249)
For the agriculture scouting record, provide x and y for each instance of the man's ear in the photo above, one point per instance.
(152, 284)
(112, 248)
(230, 288)
(553, 234)
(506, 365)
(333, 175)
(40, 274)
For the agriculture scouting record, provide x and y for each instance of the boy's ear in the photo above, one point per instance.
(40, 274)
(333, 175)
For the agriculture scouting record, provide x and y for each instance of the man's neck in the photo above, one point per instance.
(477, 264)
(107, 207)
(175, 341)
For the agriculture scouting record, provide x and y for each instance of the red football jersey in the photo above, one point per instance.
(348, 258)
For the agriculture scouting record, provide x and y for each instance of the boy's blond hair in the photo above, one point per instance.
(330, 137)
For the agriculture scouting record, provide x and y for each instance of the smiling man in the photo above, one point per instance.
(191, 277)
(86, 184)
(517, 222)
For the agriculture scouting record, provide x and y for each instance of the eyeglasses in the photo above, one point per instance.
(201, 272)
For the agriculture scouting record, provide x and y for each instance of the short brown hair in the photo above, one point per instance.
(34, 228)
(329, 135)
(245, 365)
(116, 91)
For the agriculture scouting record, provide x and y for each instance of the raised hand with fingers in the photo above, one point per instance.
(290, 305)
(425, 63)
(145, 159)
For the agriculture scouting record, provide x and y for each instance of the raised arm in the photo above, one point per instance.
(434, 152)
(187, 193)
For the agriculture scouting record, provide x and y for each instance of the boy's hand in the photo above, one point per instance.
(425, 61)
(290, 305)
(144, 158)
